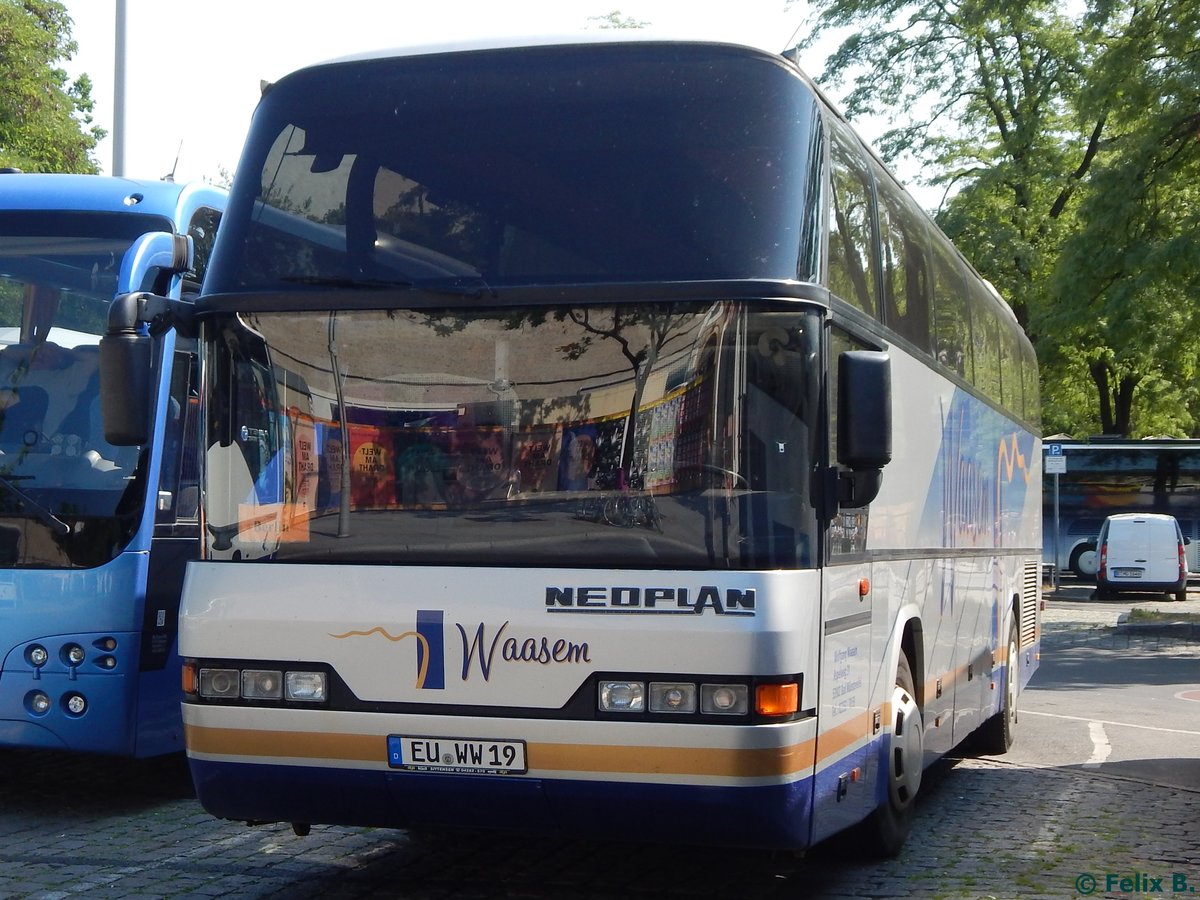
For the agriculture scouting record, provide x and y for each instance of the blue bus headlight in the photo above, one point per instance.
(306, 687)
(36, 655)
(73, 655)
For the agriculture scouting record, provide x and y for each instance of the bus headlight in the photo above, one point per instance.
(670, 697)
(622, 696)
(73, 655)
(305, 687)
(220, 683)
(261, 684)
(37, 703)
(36, 655)
(75, 704)
(725, 699)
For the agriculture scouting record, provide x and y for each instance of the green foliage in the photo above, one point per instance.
(1073, 144)
(614, 19)
(45, 119)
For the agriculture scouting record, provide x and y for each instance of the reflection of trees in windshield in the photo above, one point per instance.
(675, 433)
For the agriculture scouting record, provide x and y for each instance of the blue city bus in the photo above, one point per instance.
(93, 537)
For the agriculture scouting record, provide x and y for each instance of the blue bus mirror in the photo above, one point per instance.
(159, 252)
(125, 388)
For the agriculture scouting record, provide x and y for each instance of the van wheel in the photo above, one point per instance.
(1084, 562)
(889, 824)
(1181, 596)
(996, 734)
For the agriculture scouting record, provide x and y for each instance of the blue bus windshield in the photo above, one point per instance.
(68, 499)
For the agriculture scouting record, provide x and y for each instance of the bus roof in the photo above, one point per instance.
(603, 36)
(99, 193)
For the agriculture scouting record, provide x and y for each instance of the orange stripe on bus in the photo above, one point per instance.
(693, 761)
(298, 744)
(736, 763)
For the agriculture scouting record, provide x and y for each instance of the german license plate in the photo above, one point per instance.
(460, 756)
(1127, 573)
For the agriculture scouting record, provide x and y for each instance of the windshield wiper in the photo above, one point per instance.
(43, 515)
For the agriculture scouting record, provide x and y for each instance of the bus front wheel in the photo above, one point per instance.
(890, 823)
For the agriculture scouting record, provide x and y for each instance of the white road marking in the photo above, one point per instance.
(1101, 748)
(1027, 712)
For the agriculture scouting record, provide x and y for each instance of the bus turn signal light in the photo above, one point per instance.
(777, 699)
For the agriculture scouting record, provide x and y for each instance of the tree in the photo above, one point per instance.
(1126, 285)
(45, 119)
(1021, 108)
(614, 19)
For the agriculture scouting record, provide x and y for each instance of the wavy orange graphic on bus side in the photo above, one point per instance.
(423, 664)
(1008, 460)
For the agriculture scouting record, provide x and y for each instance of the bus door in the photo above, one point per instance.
(176, 539)
(844, 787)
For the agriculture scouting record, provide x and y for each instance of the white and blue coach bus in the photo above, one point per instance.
(597, 436)
(94, 537)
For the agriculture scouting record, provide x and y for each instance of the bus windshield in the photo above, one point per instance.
(638, 435)
(68, 499)
(446, 170)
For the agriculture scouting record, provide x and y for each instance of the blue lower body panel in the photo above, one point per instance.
(776, 816)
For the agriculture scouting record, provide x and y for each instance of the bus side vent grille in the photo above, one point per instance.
(1030, 585)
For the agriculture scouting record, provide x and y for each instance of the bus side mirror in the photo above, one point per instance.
(864, 413)
(125, 388)
(126, 350)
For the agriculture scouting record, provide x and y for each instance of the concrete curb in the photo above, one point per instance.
(1184, 631)
(1123, 636)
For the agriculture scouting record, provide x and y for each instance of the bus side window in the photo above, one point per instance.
(851, 259)
(203, 231)
(1011, 391)
(1029, 379)
(904, 243)
(986, 336)
(179, 484)
(951, 314)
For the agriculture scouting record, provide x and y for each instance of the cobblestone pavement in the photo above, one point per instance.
(985, 828)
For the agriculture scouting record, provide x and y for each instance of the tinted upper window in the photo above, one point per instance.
(537, 165)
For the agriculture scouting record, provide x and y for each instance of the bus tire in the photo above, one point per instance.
(995, 736)
(890, 823)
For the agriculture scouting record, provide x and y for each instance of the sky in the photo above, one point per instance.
(193, 70)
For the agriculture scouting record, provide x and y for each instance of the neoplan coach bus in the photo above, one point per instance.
(595, 435)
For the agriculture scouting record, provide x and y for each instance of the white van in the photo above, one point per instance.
(1141, 552)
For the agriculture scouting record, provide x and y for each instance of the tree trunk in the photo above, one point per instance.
(1116, 400)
